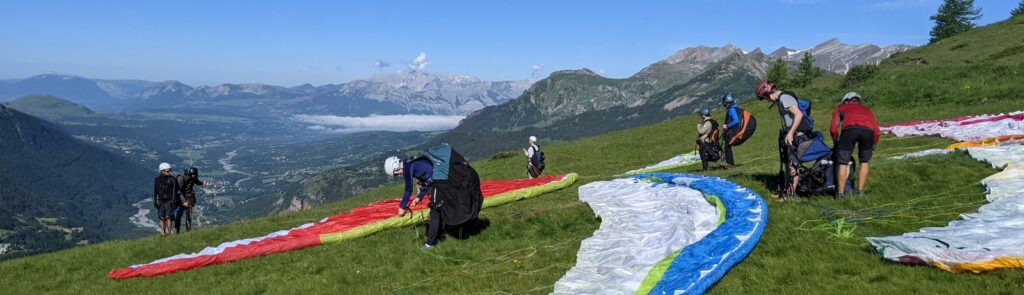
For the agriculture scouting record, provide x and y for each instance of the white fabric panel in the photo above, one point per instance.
(680, 160)
(922, 154)
(642, 223)
(972, 129)
(996, 229)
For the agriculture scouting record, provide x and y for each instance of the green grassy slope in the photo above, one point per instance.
(48, 106)
(530, 244)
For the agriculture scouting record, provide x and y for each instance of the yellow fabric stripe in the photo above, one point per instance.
(654, 275)
(423, 215)
(979, 267)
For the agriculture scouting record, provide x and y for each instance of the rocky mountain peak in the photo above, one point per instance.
(782, 52)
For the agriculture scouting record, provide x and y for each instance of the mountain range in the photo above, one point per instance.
(403, 92)
(837, 57)
(578, 103)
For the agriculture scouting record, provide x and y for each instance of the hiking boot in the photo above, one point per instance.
(855, 193)
(840, 196)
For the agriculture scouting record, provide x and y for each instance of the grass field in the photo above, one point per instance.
(530, 244)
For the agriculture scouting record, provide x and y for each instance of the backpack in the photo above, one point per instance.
(746, 129)
(455, 186)
(538, 158)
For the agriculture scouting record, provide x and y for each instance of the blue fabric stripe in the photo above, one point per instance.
(719, 251)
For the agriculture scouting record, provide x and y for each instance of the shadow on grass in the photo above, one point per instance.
(467, 230)
(769, 180)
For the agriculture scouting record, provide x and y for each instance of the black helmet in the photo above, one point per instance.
(705, 112)
(728, 99)
(193, 171)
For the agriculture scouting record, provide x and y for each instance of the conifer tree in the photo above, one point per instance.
(778, 72)
(806, 71)
(954, 17)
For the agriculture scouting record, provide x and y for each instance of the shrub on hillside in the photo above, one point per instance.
(858, 74)
(503, 155)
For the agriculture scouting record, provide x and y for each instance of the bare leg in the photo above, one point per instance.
(163, 226)
(795, 174)
(844, 173)
(188, 220)
(862, 176)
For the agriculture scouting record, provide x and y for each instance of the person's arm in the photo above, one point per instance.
(200, 182)
(797, 118)
(156, 190)
(878, 133)
(423, 192)
(408, 189)
(704, 130)
(178, 193)
(734, 118)
(833, 127)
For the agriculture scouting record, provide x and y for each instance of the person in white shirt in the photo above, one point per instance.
(534, 161)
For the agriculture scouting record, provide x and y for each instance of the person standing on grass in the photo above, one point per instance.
(853, 124)
(534, 158)
(796, 129)
(732, 121)
(165, 196)
(187, 181)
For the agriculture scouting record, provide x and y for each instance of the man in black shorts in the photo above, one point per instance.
(853, 124)
(165, 197)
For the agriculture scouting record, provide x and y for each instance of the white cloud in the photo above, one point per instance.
(420, 62)
(381, 64)
(535, 70)
(900, 4)
(399, 123)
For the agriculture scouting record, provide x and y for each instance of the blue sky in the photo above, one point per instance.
(293, 42)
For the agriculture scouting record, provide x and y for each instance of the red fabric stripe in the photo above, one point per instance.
(1015, 117)
(308, 237)
(965, 120)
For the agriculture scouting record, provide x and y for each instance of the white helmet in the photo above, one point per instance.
(391, 165)
(851, 96)
(165, 166)
(533, 139)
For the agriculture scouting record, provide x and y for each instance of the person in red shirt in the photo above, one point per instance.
(853, 124)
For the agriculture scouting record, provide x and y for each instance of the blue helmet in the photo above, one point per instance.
(728, 99)
(705, 112)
